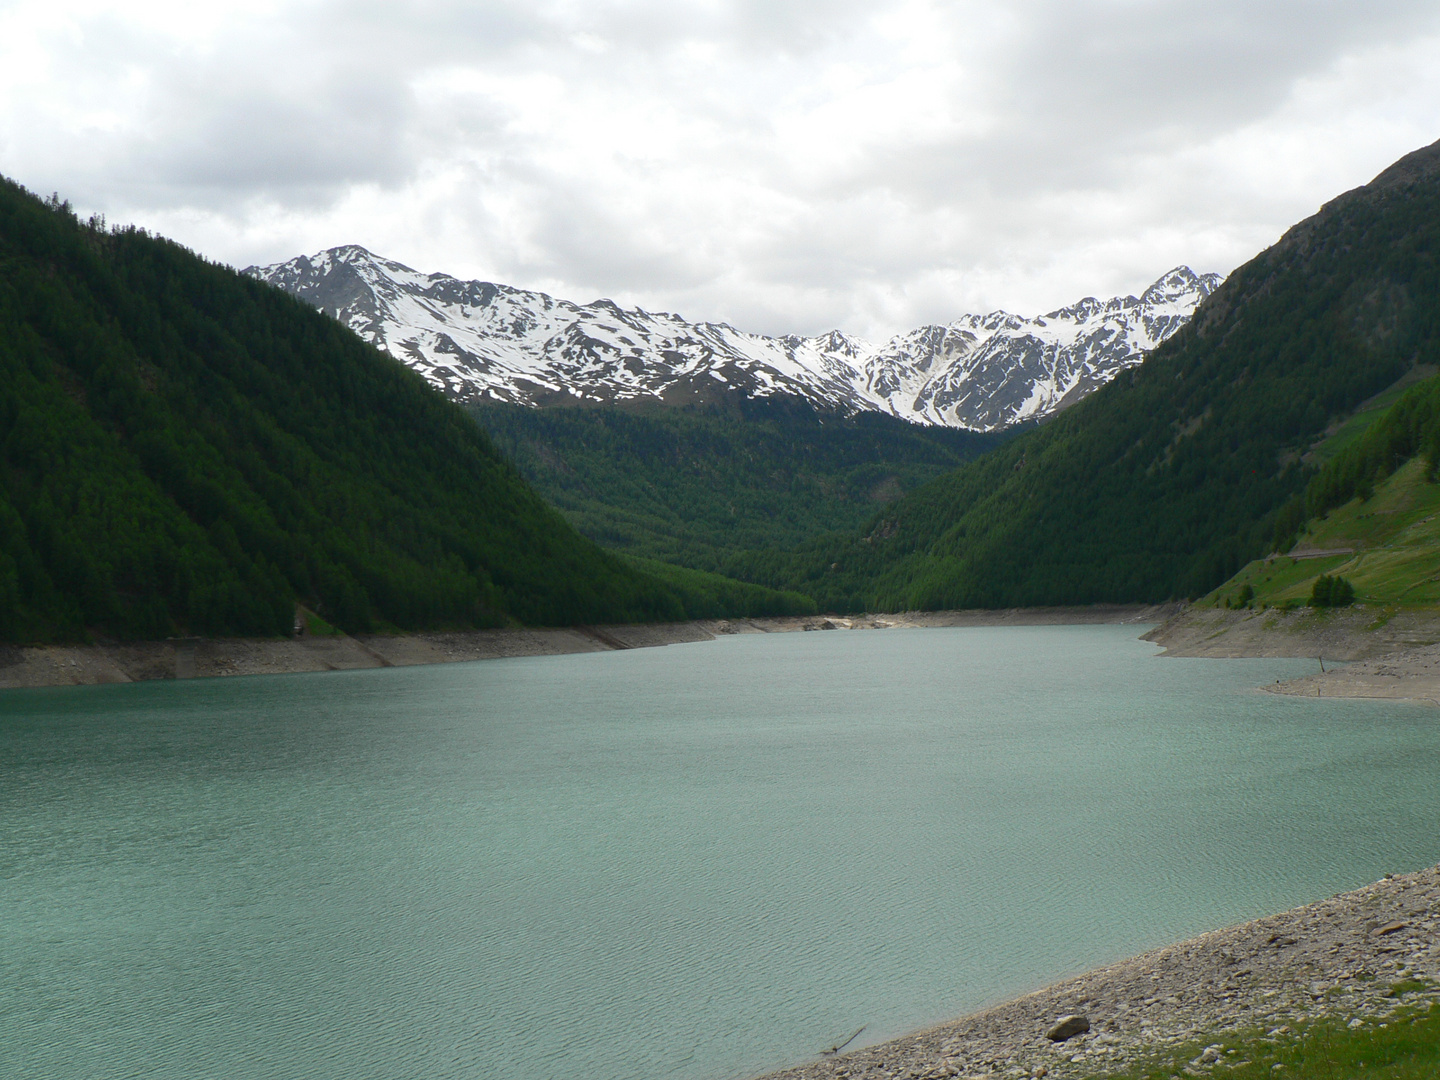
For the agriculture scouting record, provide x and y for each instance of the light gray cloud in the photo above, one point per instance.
(1079, 90)
(787, 165)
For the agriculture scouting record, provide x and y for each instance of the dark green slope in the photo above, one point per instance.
(1407, 429)
(187, 451)
(1370, 517)
(1166, 481)
(695, 486)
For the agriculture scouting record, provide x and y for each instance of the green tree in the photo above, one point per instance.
(1331, 592)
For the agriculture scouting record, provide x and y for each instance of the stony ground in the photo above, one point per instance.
(1406, 673)
(65, 665)
(1353, 633)
(1336, 958)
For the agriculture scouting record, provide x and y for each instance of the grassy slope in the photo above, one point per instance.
(1375, 503)
(1347, 433)
(1395, 536)
(693, 487)
(1406, 1046)
(1166, 481)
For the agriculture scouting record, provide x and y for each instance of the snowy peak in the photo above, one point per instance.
(1179, 284)
(477, 340)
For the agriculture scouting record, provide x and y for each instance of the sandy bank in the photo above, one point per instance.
(66, 665)
(1336, 958)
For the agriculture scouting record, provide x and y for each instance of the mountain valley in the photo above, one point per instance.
(191, 451)
(1168, 480)
(698, 486)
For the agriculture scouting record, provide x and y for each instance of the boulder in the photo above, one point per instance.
(1067, 1027)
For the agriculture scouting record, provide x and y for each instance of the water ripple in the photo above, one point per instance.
(695, 862)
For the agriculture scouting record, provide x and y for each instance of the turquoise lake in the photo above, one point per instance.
(701, 861)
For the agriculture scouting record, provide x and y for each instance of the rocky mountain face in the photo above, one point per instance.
(481, 341)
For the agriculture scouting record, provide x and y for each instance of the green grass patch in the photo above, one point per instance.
(1407, 986)
(1386, 614)
(315, 626)
(1390, 552)
(1402, 1046)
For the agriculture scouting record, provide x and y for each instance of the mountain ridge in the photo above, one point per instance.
(483, 341)
(1165, 482)
(186, 452)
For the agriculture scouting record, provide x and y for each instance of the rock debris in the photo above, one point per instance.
(1338, 958)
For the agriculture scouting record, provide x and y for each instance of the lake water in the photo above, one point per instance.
(699, 862)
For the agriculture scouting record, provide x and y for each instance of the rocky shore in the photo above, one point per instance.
(1409, 674)
(1364, 652)
(186, 658)
(1352, 633)
(1341, 958)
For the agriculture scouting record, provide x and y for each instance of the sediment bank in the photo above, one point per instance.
(1408, 674)
(1384, 653)
(1338, 958)
(1352, 633)
(67, 665)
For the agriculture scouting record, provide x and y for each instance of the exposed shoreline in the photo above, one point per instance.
(1384, 653)
(1352, 633)
(1396, 654)
(185, 658)
(1407, 675)
(1336, 958)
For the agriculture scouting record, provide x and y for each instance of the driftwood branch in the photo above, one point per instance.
(841, 1046)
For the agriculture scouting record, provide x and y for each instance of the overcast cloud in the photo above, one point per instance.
(783, 166)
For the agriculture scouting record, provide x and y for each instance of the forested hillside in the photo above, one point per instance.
(1166, 481)
(187, 451)
(695, 486)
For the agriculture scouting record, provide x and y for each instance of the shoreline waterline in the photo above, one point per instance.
(1333, 959)
(1396, 657)
(1360, 652)
(187, 658)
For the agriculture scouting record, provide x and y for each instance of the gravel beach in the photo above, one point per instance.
(1337, 958)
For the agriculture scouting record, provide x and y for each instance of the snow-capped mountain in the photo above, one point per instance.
(477, 341)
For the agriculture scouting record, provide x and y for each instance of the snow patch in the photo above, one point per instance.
(481, 340)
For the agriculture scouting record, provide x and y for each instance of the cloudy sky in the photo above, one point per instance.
(784, 165)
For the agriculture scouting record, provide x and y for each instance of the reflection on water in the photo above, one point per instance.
(698, 861)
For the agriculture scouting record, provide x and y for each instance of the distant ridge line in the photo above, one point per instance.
(482, 341)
